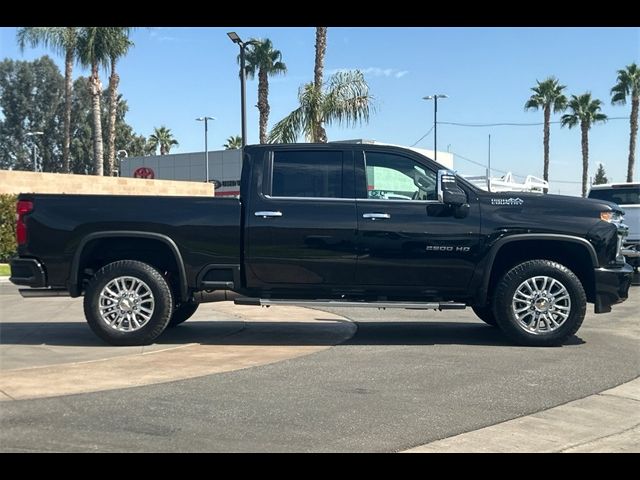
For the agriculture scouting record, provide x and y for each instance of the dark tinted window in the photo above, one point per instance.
(394, 177)
(619, 195)
(307, 174)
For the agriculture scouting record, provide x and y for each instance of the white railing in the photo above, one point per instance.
(507, 183)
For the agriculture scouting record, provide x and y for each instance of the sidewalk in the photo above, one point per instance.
(606, 422)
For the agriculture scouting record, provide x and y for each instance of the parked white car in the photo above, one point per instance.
(627, 195)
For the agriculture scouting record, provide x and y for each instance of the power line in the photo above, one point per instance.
(422, 137)
(512, 124)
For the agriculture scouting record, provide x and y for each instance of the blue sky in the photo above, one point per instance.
(173, 75)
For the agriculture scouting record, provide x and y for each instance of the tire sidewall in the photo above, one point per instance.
(505, 316)
(163, 303)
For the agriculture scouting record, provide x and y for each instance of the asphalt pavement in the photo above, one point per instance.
(405, 378)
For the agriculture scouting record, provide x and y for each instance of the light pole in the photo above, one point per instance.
(35, 163)
(206, 147)
(236, 39)
(435, 120)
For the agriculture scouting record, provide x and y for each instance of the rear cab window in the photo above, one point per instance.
(623, 195)
(307, 174)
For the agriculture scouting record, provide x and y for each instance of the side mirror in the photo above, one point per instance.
(449, 192)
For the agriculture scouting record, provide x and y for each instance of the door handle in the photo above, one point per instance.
(268, 214)
(376, 216)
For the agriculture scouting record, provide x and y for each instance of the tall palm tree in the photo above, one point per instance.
(345, 99)
(234, 142)
(64, 41)
(318, 72)
(93, 51)
(585, 111)
(548, 96)
(261, 57)
(163, 138)
(119, 44)
(629, 84)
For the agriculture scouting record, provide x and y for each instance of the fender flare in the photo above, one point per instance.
(74, 288)
(495, 248)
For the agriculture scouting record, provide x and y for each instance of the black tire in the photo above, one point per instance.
(506, 289)
(486, 315)
(162, 297)
(182, 313)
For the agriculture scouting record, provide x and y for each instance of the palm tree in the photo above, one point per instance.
(234, 142)
(163, 138)
(629, 84)
(64, 41)
(586, 112)
(118, 47)
(318, 71)
(547, 95)
(346, 99)
(94, 51)
(261, 57)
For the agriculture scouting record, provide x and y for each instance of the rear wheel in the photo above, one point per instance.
(486, 315)
(128, 303)
(182, 313)
(539, 303)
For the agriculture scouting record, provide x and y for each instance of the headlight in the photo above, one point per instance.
(611, 217)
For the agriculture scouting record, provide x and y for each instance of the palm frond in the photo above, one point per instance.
(347, 99)
(289, 128)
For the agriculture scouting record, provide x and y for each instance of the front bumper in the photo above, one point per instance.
(612, 286)
(631, 252)
(28, 272)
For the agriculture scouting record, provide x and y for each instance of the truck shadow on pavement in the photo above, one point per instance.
(320, 333)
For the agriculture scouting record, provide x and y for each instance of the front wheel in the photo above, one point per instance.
(539, 303)
(128, 303)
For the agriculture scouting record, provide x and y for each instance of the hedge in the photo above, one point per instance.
(7, 227)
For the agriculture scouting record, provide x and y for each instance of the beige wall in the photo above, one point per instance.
(31, 182)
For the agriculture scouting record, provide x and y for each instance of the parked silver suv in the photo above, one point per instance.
(627, 195)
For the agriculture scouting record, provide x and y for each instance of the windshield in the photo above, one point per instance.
(621, 195)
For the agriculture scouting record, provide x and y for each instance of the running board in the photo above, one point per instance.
(43, 292)
(266, 302)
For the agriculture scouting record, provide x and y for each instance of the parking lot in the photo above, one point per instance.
(251, 379)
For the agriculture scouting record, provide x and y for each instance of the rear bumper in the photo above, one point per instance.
(28, 272)
(612, 286)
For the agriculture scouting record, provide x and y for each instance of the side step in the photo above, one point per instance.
(266, 302)
(43, 292)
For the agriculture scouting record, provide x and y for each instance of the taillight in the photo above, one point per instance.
(22, 208)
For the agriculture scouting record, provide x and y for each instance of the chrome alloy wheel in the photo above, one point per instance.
(541, 304)
(126, 304)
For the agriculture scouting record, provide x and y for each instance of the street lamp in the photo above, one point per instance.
(435, 120)
(236, 39)
(35, 163)
(206, 148)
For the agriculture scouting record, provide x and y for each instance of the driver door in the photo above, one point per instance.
(406, 237)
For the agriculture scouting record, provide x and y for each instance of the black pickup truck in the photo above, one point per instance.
(327, 225)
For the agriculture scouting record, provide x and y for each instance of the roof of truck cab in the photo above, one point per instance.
(615, 185)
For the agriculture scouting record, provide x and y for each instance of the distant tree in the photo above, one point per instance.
(601, 176)
(262, 58)
(63, 40)
(345, 99)
(119, 45)
(31, 99)
(585, 112)
(548, 96)
(234, 142)
(629, 85)
(163, 138)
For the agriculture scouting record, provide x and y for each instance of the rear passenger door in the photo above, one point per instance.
(302, 220)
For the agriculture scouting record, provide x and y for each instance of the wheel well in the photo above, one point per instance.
(572, 255)
(101, 251)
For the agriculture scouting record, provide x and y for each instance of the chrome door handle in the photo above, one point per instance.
(376, 216)
(268, 214)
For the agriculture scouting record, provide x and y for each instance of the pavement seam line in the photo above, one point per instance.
(615, 395)
(5, 393)
(598, 438)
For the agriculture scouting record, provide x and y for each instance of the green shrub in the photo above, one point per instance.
(7, 227)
